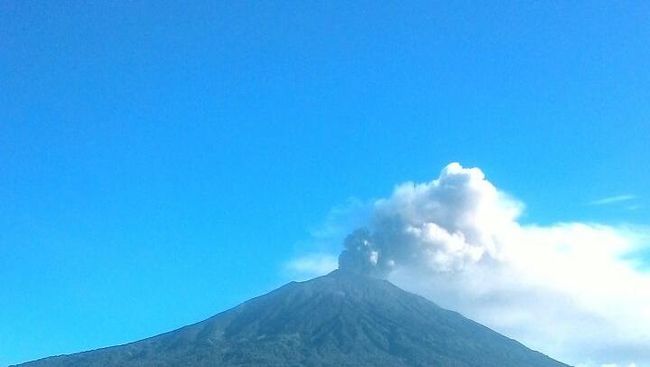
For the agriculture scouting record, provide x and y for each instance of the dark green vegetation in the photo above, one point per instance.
(337, 320)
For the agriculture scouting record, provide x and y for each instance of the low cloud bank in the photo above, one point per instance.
(571, 290)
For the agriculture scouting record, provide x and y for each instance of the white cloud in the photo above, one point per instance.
(311, 265)
(570, 290)
(613, 199)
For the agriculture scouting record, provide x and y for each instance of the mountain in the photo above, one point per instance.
(341, 319)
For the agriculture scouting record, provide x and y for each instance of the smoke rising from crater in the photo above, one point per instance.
(572, 290)
(440, 226)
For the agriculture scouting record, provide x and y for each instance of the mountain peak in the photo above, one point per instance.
(340, 319)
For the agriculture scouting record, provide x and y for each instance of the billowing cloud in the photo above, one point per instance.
(571, 290)
(441, 226)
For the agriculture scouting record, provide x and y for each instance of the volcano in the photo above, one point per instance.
(341, 319)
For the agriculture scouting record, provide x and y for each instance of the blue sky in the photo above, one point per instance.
(161, 162)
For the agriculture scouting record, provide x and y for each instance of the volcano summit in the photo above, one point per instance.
(341, 319)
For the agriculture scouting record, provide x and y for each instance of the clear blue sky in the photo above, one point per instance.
(160, 161)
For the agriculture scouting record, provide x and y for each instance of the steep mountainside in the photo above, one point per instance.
(341, 319)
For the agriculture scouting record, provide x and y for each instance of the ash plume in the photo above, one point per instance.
(573, 289)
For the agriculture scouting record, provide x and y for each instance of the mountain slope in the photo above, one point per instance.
(341, 319)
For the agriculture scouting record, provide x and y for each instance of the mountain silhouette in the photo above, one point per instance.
(341, 319)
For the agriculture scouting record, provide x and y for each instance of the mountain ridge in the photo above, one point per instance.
(340, 319)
